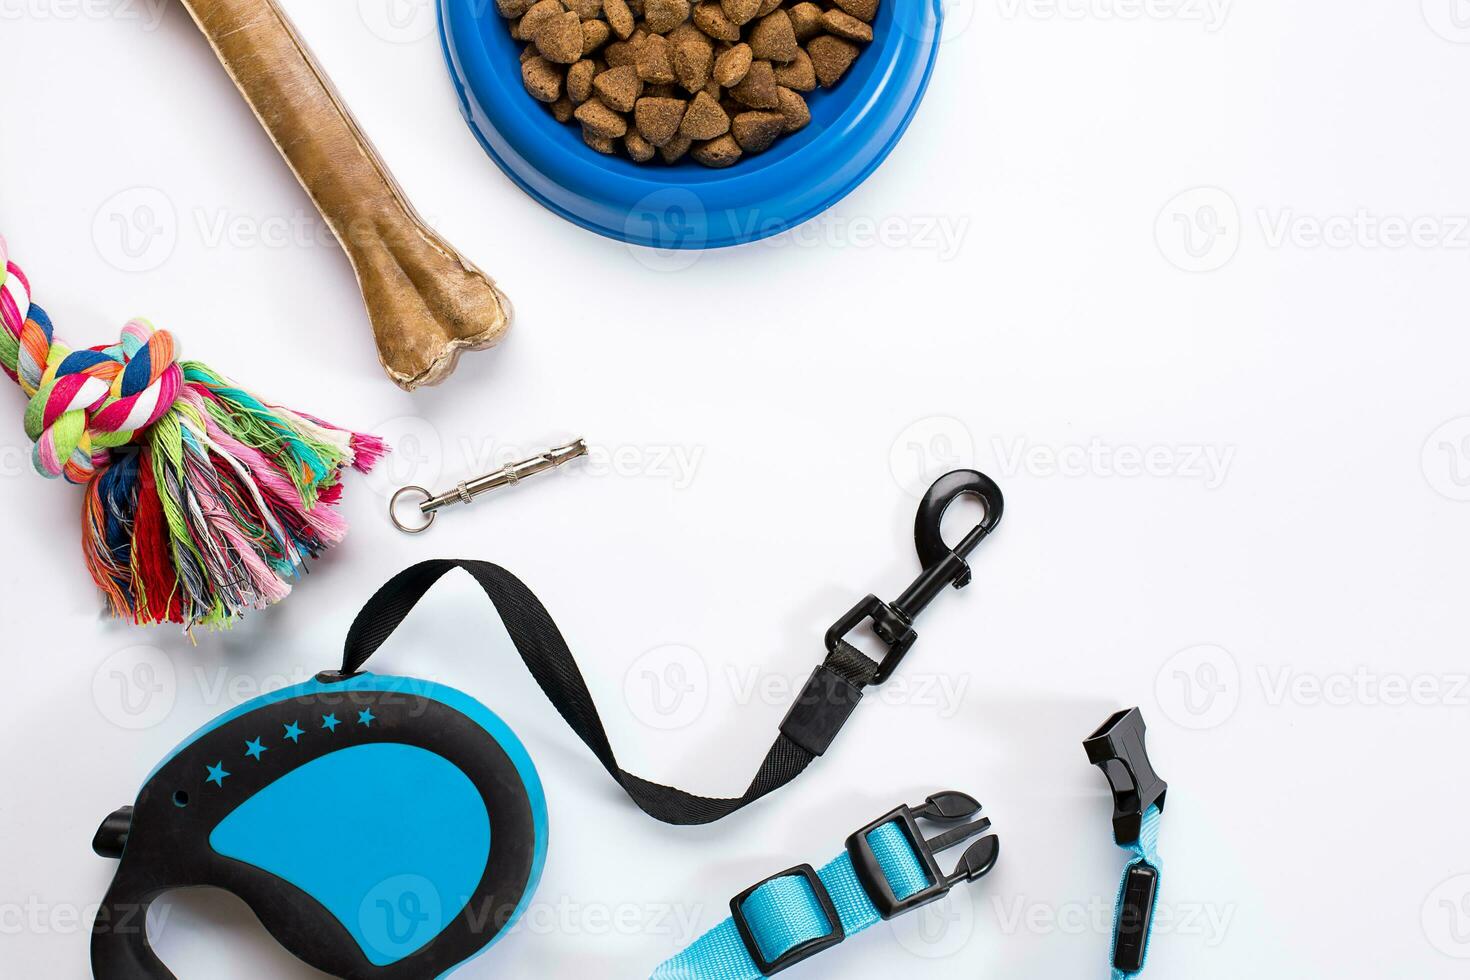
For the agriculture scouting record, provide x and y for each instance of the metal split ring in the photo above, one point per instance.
(393, 510)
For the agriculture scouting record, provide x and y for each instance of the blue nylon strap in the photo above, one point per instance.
(785, 912)
(1145, 851)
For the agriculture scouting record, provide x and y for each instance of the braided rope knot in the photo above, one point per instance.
(220, 498)
(82, 402)
(93, 400)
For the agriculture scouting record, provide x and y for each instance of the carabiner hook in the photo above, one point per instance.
(934, 554)
(943, 565)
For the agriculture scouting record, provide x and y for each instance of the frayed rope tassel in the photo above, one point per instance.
(201, 500)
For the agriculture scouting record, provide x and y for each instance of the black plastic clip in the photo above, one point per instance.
(943, 565)
(1120, 749)
(1135, 917)
(801, 951)
(111, 838)
(979, 858)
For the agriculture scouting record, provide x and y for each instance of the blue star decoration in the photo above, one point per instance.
(217, 774)
(330, 722)
(366, 718)
(254, 749)
(293, 732)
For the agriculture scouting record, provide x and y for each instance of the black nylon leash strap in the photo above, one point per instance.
(821, 709)
(823, 706)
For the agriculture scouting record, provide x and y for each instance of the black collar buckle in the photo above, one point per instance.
(1120, 749)
(801, 951)
(944, 808)
(894, 622)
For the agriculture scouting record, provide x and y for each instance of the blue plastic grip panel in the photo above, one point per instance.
(347, 828)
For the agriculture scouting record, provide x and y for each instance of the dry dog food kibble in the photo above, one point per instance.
(713, 80)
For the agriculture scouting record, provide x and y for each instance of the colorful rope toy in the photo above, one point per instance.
(201, 500)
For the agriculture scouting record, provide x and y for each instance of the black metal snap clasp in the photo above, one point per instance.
(893, 621)
(934, 554)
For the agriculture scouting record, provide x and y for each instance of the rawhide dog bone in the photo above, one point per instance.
(426, 302)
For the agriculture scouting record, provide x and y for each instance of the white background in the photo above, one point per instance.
(1173, 233)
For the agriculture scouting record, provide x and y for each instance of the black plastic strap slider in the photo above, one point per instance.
(944, 808)
(893, 622)
(821, 710)
(1120, 749)
(1135, 917)
(802, 950)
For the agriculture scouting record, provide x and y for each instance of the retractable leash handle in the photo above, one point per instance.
(354, 819)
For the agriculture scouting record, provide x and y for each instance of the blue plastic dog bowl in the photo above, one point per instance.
(854, 126)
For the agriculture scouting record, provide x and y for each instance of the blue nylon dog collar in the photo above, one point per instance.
(887, 869)
(1120, 750)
